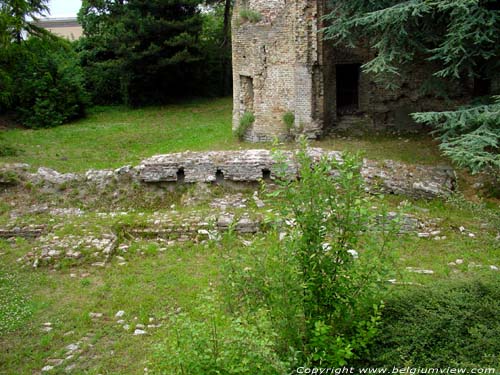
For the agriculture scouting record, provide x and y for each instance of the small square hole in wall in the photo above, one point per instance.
(219, 177)
(181, 176)
(266, 175)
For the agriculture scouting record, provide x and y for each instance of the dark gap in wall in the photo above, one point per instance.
(181, 176)
(246, 94)
(266, 174)
(219, 177)
(347, 88)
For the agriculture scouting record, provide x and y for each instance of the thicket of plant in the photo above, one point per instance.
(178, 50)
(449, 324)
(40, 77)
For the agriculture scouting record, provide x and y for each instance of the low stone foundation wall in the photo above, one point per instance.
(247, 166)
(255, 165)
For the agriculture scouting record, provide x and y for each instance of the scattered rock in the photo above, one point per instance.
(72, 347)
(95, 315)
(139, 332)
(55, 362)
(120, 313)
(420, 271)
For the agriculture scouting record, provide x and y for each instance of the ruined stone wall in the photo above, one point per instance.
(273, 63)
(381, 107)
(282, 64)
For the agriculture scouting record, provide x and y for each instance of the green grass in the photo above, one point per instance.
(111, 137)
(115, 136)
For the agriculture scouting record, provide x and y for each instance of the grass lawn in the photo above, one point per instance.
(111, 137)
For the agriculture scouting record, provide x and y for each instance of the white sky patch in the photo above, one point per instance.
(64, 8)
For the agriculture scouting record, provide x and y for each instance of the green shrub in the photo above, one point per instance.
(289, 120)
(50, 86)
(246, 121)
(448, 324)
(215, 343)
(323, 297)
(250, 15)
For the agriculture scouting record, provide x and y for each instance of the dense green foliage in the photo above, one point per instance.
(338, 268)
(40, 79)
(463, 37)
(460, 38)
(215, 343)
(16, 18)
(470, 136)
(49, 86)
(450, 324)
(141, 52)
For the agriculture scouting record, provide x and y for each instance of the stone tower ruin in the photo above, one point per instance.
(282, 65)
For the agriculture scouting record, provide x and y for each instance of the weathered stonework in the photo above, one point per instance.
(235, 167)
(256, 165)
(282, 64)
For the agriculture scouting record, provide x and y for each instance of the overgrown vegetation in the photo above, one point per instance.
(180, 51)
(454, 324)
(246, 121)
(216, 343)
(250, 15)
(321, 297)
(41, 81)
(289, 120)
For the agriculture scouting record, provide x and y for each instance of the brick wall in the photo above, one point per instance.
(293, 69)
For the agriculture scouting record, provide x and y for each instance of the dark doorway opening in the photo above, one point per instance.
(181, 176)
(347, 88)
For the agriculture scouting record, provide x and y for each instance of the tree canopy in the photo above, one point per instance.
(152, 46)
(18, 16)
(462, 36)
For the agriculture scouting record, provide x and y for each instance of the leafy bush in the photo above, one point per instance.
(322, 283)
(289, 120)
(218, 344)
(250, 15)
(449, 324)
(50, 87)
(246, 121)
